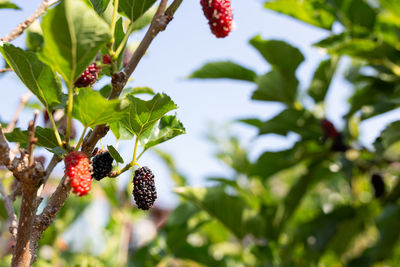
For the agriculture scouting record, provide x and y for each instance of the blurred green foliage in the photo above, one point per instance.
(310, 205)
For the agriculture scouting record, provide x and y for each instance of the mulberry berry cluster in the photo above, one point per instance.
(144, 191)
(89, 76)
(219, 15)
(77, 168)
(102, 165)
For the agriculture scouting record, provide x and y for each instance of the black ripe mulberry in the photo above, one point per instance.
(144, 190)
(378, 184)
(89, 76)
(102, 165)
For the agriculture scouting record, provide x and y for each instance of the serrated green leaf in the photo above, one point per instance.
(46, 137)
(279, 54)
(37, 76)
(91, 109)
(276, 86)
(311, 12)
(224, 70)
(322, 79)
(144, 114)
(163, 130)
(134, 9)
(7, 4)
(137, 90)
(115, 154)
(73, 34)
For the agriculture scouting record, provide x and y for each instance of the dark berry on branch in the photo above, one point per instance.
(89, 76)
(144, 189)
(102, 165)
(378, 185)
(77, 168)
(219, 15)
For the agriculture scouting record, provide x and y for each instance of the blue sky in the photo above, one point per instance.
(185, 46)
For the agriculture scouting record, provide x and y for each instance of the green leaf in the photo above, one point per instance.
(91, 109)
(310, 12)
(276, 86)
(120, 131)
(34, 37)
(73, 34)
(7, 4)
(145, 19)
(368, 49)
(166, 128)
(18, 136)
(322, 79)
(229, 210)
(357, 15)
(324, 228)
(393, 6)
(279, 54)
(37, 76)
(134, 9)
(391, 134)
(115, 154)
(224, 70)
(270, 163)
(289, 120)
(100, 5)
(144, 114)
(137, 91)
(46, 137)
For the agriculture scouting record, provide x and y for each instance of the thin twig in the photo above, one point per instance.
(17, 31)
(22, 102)
(32, 139)
(10, 211)
(5, 70)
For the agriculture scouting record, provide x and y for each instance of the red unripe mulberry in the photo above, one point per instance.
(77, 168)
(89, 76)
(219, 15)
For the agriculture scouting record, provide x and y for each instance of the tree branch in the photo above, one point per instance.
(159, 23)
(22, 26)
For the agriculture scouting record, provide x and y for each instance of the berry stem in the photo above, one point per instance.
(69, 112)
(81, 139)
(133, 162)
(54, 128)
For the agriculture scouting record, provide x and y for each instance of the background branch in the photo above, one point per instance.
(8, 203)
(5, 70)
(22, 102)
(22, 26)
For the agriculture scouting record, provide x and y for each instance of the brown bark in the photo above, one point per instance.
(22, 255)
